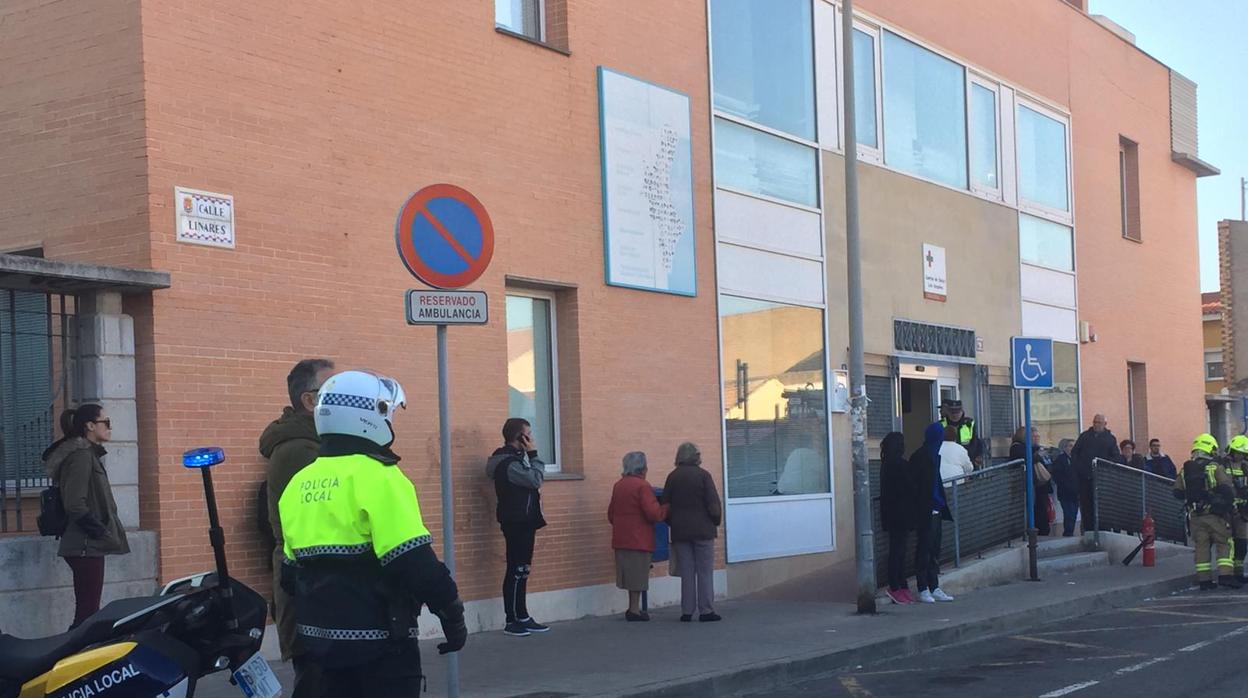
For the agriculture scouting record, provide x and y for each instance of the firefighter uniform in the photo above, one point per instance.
(1208, 493)
(1237, 469)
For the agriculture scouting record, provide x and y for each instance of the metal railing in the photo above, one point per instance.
(989, 509)
(1123, 494)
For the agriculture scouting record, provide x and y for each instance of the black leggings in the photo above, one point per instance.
(520, 540)
(927, 555)
(897, 559)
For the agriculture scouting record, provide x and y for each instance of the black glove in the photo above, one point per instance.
(92, 526)
(452, 617)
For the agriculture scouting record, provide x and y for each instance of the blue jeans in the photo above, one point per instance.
(1070, 508)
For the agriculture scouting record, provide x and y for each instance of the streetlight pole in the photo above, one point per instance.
(864, 548)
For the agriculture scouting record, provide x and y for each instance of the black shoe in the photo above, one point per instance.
(516, 629)
(636, 617)
(686, 618)
(533, 626)
(1230, 582)
(1208, 586)
(709, 617)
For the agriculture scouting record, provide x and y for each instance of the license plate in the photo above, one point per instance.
(257, 680)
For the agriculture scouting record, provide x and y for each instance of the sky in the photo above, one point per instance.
(1204, 40)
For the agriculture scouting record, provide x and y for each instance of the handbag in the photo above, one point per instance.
(1052, 512)
(1042, 473)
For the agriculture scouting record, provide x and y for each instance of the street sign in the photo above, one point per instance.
(1031, 362)
(447, 308)
(444, 236)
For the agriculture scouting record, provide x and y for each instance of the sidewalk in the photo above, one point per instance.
(762, 643)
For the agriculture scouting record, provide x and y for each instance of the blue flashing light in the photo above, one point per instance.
(203, 457)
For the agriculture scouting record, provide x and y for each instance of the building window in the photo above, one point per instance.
(1042, 170)
(984, 134)
(764, 68)
(1129, 188)
(1055, 412)
(755, 161)
(532, 378)
(775, 418)
(1214, 370)
(924, 112)
(1045, 243)
(866, 112)
(1137, 400)
(524, 17)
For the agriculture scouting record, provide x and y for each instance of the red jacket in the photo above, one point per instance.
(633, 512)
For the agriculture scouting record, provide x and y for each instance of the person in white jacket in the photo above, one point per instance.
(954, 459)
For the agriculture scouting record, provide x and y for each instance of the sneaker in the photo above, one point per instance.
(533, 626)
(898, 596)
(686, 618)
(516, 629)
(636, 617)
(925, 596)
(940, 595)
(1208, 586)
(709, 617)
(909, 598)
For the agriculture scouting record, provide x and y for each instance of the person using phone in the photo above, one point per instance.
(518, 475)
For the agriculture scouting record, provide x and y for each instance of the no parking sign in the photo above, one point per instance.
(444, 236)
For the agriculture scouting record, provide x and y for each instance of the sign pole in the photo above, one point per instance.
(448, 492)
(1031, 493)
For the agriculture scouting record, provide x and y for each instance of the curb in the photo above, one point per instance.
(776, 674)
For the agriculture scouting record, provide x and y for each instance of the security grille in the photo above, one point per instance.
(922, 338)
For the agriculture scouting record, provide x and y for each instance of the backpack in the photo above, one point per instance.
(52, 519)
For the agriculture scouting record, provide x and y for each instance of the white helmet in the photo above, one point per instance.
(359, 403)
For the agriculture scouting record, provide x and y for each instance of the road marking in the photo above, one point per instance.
(1224, 636)
(1185, 614)
(1197, 646)
(1060, 643)
(1100, 658)
(1111, 628)
(854, 688)
(1142, 665)
(1069, 689)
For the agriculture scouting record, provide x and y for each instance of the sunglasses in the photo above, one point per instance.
(108, 423)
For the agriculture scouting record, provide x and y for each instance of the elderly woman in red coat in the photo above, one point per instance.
(633, 512)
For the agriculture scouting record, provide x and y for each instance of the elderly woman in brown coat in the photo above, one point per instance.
(695, 516)
(75, 464)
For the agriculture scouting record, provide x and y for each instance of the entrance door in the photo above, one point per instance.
(918, 409)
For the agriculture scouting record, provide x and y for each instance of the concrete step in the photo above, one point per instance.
(1057, 547)
(1071, 563)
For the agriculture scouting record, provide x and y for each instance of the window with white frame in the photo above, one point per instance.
(755, 161)
(1214, 368)
(532, 369)
(1043, 172)
(924, 112)
(1045, 243)
(763, 63)
(985, 136)
(866, 91)
(525, 17)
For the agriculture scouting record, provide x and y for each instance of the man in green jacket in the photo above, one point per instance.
(290, 443)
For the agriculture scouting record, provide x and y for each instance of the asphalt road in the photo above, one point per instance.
(1190, 644)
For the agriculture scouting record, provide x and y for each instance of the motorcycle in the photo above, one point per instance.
(153, 647)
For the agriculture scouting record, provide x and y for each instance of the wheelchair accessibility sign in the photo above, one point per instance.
(1032, 359)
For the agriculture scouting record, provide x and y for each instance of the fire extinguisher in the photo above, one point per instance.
(1148, 532)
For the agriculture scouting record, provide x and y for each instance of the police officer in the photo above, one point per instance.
(1237, 469)
(951, 413)
(359, 559)
(1209, 495)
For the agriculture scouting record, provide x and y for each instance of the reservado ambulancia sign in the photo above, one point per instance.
(447, 308)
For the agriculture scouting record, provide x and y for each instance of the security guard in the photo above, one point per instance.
(1209, 495)
(1237, 468)
(951, 413)
(359, 559)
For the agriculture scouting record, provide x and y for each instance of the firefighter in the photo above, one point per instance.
(1209, 498)
(359, 560)
(1237, 469)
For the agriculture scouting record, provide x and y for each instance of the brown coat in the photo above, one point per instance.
(94, 530)
(695, 507)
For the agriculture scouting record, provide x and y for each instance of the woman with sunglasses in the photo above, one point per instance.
(75, 464)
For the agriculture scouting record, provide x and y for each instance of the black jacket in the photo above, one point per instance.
(696, 511)
(1065, 478)
(899, 486)
(1090, 446)
(518, 478)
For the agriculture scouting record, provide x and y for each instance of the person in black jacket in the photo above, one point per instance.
(899, 489)
(518, 475)
(932, 511)
(1067, 486)
(1096, 442)
(1040, 470)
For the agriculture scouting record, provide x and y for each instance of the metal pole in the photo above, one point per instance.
(1031, 494)
(864, 551)
(957, 532)
(448, 492)
(1243, 188)
(1096, 506)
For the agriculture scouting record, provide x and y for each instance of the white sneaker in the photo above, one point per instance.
(925, 596)
(941, 596)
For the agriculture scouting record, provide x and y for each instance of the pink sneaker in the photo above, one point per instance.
(909, 597)
(898, 597)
